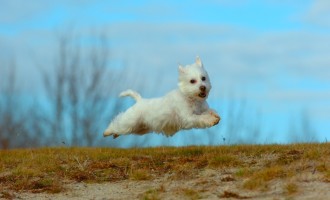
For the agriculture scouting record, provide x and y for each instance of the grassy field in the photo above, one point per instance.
(48, 170)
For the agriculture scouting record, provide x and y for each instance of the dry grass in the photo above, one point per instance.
(260, 178)
(227, 194)
(140, 175)
(47, 169)
(186, 193)
(153, 194)
(291, 188)
(190, 193)
(150, 195)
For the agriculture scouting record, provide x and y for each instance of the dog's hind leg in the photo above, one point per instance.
(114, 127)
(117, 127)
(125, 123)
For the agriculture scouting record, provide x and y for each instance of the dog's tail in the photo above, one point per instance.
(131, 93)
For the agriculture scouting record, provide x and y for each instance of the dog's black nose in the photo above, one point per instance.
(202, 88)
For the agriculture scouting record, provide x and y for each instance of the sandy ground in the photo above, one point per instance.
(208, 184)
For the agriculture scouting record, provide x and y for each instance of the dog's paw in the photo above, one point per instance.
(210, 120)
(114, 135)
(212, 112)
(215, 118)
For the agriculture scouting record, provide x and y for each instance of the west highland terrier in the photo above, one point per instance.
(183, 108)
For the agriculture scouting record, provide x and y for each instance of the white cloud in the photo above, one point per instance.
(319, 13)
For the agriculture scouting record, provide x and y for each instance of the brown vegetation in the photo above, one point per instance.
(50, 169)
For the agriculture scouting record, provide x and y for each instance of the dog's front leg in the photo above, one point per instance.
(205, 120)
(213, 113)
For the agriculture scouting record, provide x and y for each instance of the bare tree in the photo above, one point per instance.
(16, 129)
(78, 90)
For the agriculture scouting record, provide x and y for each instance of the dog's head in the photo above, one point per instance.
(194, 81)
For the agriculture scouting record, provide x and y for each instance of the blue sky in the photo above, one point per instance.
(273, 55)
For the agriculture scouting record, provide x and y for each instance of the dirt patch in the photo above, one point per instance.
(207, 184)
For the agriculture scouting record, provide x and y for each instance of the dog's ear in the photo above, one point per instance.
(181, 69)
(199, 61)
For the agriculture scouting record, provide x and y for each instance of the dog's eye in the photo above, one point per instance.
(192, 81)
(203, 78)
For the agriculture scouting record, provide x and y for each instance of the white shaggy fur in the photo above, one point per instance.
(183, 108)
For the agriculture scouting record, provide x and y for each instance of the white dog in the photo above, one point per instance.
(183, 108)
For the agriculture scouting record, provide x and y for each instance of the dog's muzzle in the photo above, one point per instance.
(203, 92)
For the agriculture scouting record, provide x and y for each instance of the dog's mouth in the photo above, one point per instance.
(202, 94)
